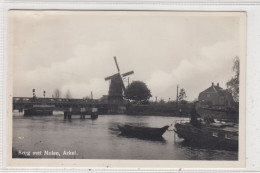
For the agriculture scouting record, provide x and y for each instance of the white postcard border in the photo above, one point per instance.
(102, 165)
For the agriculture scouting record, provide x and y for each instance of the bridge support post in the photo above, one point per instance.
(65, 115)
(94, 115)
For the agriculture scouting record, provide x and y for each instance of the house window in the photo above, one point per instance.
(227, 136)
(208, 95)
(215, 134)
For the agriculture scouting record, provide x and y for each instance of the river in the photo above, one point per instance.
(54, 137)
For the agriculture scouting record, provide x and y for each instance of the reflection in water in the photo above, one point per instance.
(203, 146)
(101, 139)
(155, 139)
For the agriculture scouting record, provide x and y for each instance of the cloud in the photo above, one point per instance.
(80, 74)
(196, 74)
(75, 51)
(80, 90)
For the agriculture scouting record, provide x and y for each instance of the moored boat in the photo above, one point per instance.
(142, 131)
(41, 109)
(212, 136)
(206, 132)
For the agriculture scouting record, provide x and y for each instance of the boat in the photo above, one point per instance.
(229, 114)
(39, 109)
(137, 131)
(214, 135)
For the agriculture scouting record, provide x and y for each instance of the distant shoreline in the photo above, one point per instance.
(159, 114)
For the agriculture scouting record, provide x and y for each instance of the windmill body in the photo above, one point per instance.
(117, 87)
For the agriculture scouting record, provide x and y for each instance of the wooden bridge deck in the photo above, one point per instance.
(57, 103)
(63, 104)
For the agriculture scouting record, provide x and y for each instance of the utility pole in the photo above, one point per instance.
(34, 95)
(91, 95)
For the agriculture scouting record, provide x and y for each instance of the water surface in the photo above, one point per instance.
(101, 139)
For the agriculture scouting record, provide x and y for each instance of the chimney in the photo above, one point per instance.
(212, 83)
(218, 84)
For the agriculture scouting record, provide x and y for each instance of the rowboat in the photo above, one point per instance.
(142, 131)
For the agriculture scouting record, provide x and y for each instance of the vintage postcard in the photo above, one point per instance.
(126, 89)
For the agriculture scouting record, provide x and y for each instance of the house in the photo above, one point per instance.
(215, 97)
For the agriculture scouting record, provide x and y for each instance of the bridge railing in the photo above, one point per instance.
(51, 100)
(59, 103)
(63, 104)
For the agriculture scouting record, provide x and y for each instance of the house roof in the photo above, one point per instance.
(215, 89)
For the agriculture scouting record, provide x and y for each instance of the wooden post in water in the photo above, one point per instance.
(174, 136)
(65, 115)
(69, 113)
(81, 114)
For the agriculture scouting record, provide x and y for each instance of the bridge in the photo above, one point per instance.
(64, 104)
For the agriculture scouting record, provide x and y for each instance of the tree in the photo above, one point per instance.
(233, 83)
(57, 93)
(87, 98)
(162, 101)
(68, 95)
(182, 96)
(137, 91)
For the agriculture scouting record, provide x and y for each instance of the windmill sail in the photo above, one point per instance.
(111, 77)
(128, 73)
(117, 65)
(117, 87)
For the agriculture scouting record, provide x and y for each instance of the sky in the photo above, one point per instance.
(74, 50)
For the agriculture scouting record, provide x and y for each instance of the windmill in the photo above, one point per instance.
(117, 87)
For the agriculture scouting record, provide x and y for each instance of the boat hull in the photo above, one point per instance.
(207, 137)
(32, 112)
(142, 131)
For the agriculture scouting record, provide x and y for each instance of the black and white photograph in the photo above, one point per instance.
(127, 85)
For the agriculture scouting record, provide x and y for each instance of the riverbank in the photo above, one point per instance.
(159, 114)
(168, 110)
